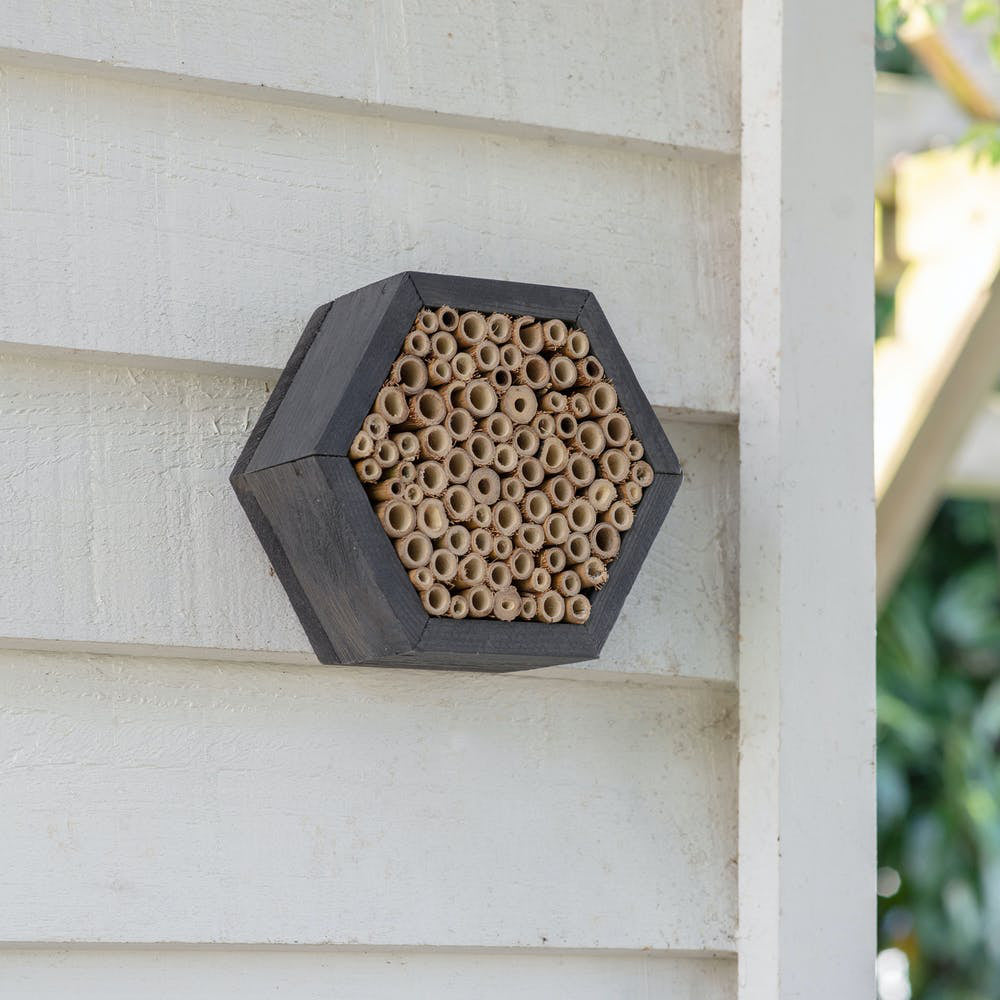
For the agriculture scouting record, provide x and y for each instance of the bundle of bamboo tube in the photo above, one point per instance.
(501, 466)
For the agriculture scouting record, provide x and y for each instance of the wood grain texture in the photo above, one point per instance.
(301, 805)
(155, 552)
(216, 225)
(663, 73)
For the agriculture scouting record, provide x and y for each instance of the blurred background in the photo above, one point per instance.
(937, 473)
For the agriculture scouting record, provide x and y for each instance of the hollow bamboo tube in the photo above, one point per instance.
(526, 334)
(458, 466)
(391, 404)
(480, 600)
(536, 506)
(498, 426)
(500, 379)
(512, 489)
(577, 345)
(471, 329)
(579, 406)
(498, 575)
(605, 541)
(601, 493)
(553, 402)
(426, 321)
(414, 550)
(602, 398)
(560, 492)
(447, 319)
(544, 425)
(530, 472)
(459, 424)
(590, 438)
(397, 517)
(617, 429)
(551, 607)
(525, 441)
(436, 599)
(431, 517)
(482, 516)
(593, 572)
(417, 343)
(412, 494)
(463, 367)
(486, 356)
(505, 458)
(534, 372)
(552, 560)
(456, 539)
(386, 454)
(471, 570)
(431, 478)
(408, 445)
(458, 504)
(406, 471)
(511, 357)
(506, 604)
(481, 542)
(580, 470)
(529, 607)
(520, 404)
(562, 371)
(387, 489)
(577, 609)
(498, 328)
(443, 346)
(577, 548)
(634, 450)
(484, 486)
(538, 581)
(362, 446)
(589, 370)
(556, 528)
(444, 565)
(642, 473)
(630, 492)
(376, 425)
(438, 372)
(620, 515)
(506, 518)
(502, 547)
(566, 426)
(530, 537)
(435, 442)
(567, 583)
(410, 374)
(481, 448)
(421, 578)
(521, 564)
(581, 516)
(614, 465)
(554, 333)
(479, 398)
(426, 408)
(459, 607)
(368, 470)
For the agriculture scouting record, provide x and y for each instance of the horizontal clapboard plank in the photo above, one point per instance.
(121, 528)
(205, 229)
(662, 73)
(168, 800)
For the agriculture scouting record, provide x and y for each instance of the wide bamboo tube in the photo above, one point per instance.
(589, 370)
(605, 541)
(590, 438)
(620, 515)
(436, 599)
(438, 372)
(593, 572)
(486, 356)
(580, 471)
(577, 548)
(553, 402)
(463, 368)
(634, 450)
(505, 458)
(432, 520)
(387, 489)
(386, 453)
(630, 492)
(471, 570)
(562, 372)
(444, 565)
(502, 547)
(479, 398)
(410, 374)
(551, 607)
(526, 334)
(581, 516)
(500, 379)
(414, 550)
(435, 442)
(408, 445)
(602, 398)
(506, 518)
(397, 517)
(376, 425)
(602, 494)
(614, 465)
(530, 472)
(642, 473)
(498, 575)
(406, 471)
(577, 609)
(421, 578)
(579, 406)
(459, 424)
(480, 600)
(482, 516)
(459, 607)
(506, 604)
(617, 429)
(511, 357)
(412, 494)
(556, 528)
(498, 328)
(417, 343)
(456, 539)
(553, 455)
(426, 321)
(498, 426)
(520, 404)
(481, 448)
(459, 504)
(458, 466)
(560, 492)
(447, 319)
(566, 426)
(529, 607)
(362, 446)
(552, 560)
(534, 372)
(567, 583)
(391, 404)
(512, 489)
(544, 425)
(529, 536)
(426, 408)
(536, 506)
(431, 478)
(484, 486)
(554, 333)
(521, 564)
(471, 329)
(577, 344)
(481, 542)
(538, 581)
(525, 441)
(368, 470)
(443, 346)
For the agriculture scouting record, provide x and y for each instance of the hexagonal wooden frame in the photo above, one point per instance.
(314, 519)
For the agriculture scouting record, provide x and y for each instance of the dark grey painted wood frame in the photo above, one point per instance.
(313, 518)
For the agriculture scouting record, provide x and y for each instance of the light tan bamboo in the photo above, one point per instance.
(486, 356)
(397, 517)
(530, 472)
(463, 368)
(634, 450)
(449, 394)
(498, 575)
(458, 466)
(534, 372)
(362, 446)
(566, 426)
(482, 516)
(435, 442)
(552, 560)
(589, 370)
(593, 572)
(368, 470)
(581, 516)
(426, 321)
(432, 478)
(544, 425)
(560, 492)
(421, 578)
(614, 465)
(391, 404)
(556, 528)
(553, 402)
(500, 379)
(605, 541)
(412, 494)
(567, 583)
(471, 570)
(471, 329)
(410, 374)
(619, 514)
(630, 492)
(577, 548)
(456, 539)
(506, 517)
(502, 547)
(459, 504)
(432, 519)
(617, 429)
(480, 600)
(526, 334)
(484, 486)
(479, 398)
(459, 607)
(529, 607)
(443, 346)
(481, 448)
(438, 372)
(444, 565)
(590, 438)
(529, 536)
(551, 607)
(498, 426)
(512, 489)
(525, 441)
(506, 604)
(447, 319)
(417, 343)
(414, 550)
(459, 424)
(511, 357)
(577, 609)
(554, 333)
(563, 372)
(426, 408)
(642, 474)
(602, 398)
(376, 425)
(537, 582)
(406, 471)
(521, 564)
(601, 493)
(387, 489)
(579, 406)
(436, 599)
(408, 445)
(481, 541)
(577, 344)
(536, 506)
(386, 453)
(520, 404)
(553, 455)
(498, 328)
(580, 471)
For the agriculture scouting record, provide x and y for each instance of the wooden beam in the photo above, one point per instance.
(975, 470)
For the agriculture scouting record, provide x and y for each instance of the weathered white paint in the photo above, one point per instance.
(975, 471)
(155, 552)
(167, 800)
(664, 73)
(806, 786)
(216, 225)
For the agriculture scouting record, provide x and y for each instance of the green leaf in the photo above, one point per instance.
(974, 11)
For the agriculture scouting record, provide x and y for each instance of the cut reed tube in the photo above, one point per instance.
(481, 448)
(529, 607)
(406, 471)
(463, 367)
(525, 441)
(580, 471)
(577, 548)
(444, 565)
(642, 473)
(471, 329)
(553, 455)
(505, 458)
(425, 408)
(534, 372)
(590, 438)
(459, 505)
(447, 319)
(581, 516)
(412, 494)
(506, 604)
(554, 402)
(521, 564)
(563, 372)
(479, 398)
(630, 492)
(498, 426)
(368, 470)
(459, 607)
(589, 370)
(552, 560)
(577, 609)
(536, 506)
(511, 357)
(376, 425)
(481, 541)
(577, 344)
(438, 372)
(593, 572)
(387, 489)
(471, 570)
(417, 343)
(506, 518)
(620, 515)
(498, 575)
(362, 446)
(602, 398)
(579, 406)
(414, 550)
(431, 517)
(512, 489)
(614, 465)
(526, 334)
(421, 578)
(486, 356)
(397, 517)
(408, 445)
(502, 547)
(484, 486)
(386, 453)
(544, 425)
(538, 581)
(616, 429)
(551, 607)
(500, 379)
(601, 493)
(436, 599)
(434, 442)
(634, 450)
(427, 321)
(410, 374)
(458, 466)
(391, 404)
(605, 541)
(431, 478)
(560, 492)
(482, 515)
(459, 424)
(530, 472)
(498, 328)
(480, 600)
(443, 346)
(530, 537)
(566, 426)
(520, 404)
(568, 582)
(554, 333)
(456, 538)
(556, 529)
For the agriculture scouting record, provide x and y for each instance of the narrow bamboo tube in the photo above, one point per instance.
(577, 344)
(642, 473)
(386, 454)
(443, 346)
(417, 343)
(577, 609)
(506, 518)
(544, 425)
(449, 394)
(554, 333)
(421, 578)
(526, 334)
(456, 539)
(506, 604)
(444, 565)
(511, 357)
(481, 542)
(426, 408)
(520, 404)
(481, 448)
(634, 450)
(410, 374)
(414, 550)
(458, 466)
(580, 470)
(551, 607)
(397, 517)
(438, 372)
(529, 536)
(376, 425)
(498, 575)
(590, 438)
(482, 516)
(459, 424)
(617, 429)
(479, 398)
(471, 329)
(412, 494)
(525, 441)
(630, 492)
(459, 607)
(426, 321)
(529, 607)
(498, 426)
(471, 570)
(602, 398)
(431, 478)
(567, 583)
(536, 506)
(562, 372)
(406, 471)
(505, 458)
(435, 442)
(447, 319)
(556, 528)
(362, 446)
(577, 548)
(579, 406)
(408, 445)
(436, 599)
(502, 547)
(566, 426)
(521, 563)
(391, 404)
(560, 492)
(534, 372)
(512, 489)
(463, 367)
(554, 402)
(388, 489)
(498, 328)
(593, 572)
(538, 581)
(581, 516)
(459, 504)
(484, 486)
(368, 470)
(589, 370)
(553, 455)
(605, 541)
(614, 465)
(431, 517)
(500, 379)
(552, 559)
(619, 514)
(601, 493)
(480, 600)
(486, 356)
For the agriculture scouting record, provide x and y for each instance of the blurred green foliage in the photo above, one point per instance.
(939, 759)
